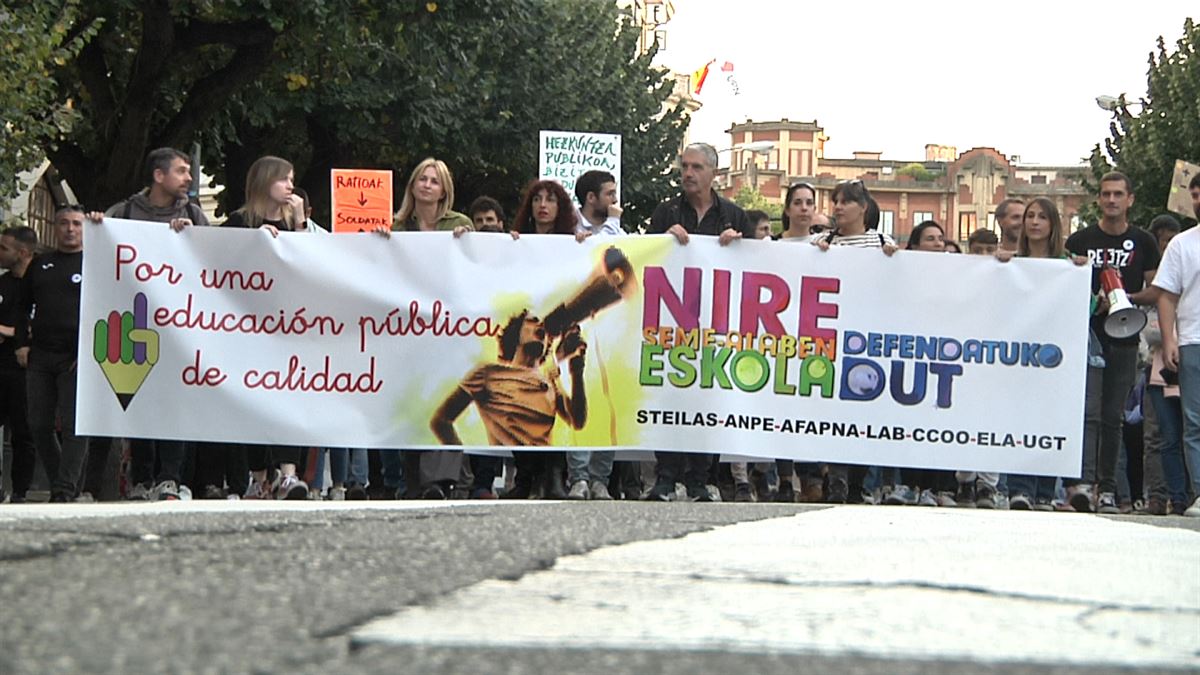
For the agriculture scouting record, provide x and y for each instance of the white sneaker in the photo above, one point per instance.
(85, 498)
(291, 487)
(138, 493)
(337, 494)
(168, 490)
(927, 499)
(579, 490)
(600, 491)
(1193, 511)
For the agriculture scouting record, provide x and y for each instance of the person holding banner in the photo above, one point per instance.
(927, 236)
(428, 197)
(156, 465)
(486, 214)
(271, 205)
(1134, 254)
(545, 209)
(47, 347)
(599, 212)
(800, 207)
(1041, 236)
(697, 210)
(851, 202)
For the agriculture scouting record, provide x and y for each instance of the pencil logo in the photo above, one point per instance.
(125, 349)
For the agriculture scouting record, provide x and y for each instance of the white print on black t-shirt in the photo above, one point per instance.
(1115, 257)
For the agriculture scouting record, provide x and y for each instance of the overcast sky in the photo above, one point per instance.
(1018, 76)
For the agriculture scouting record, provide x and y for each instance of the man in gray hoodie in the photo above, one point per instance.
(163, 200)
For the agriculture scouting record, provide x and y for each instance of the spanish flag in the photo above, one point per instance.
(699, 76)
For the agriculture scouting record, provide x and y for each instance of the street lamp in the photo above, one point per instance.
(1116, 104)
(763, 148)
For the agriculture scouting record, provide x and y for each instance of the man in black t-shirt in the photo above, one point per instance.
(697, 210)
(1134, 253)
(47, 347)
(17, 246)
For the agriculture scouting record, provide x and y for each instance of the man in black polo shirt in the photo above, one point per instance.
(697, 210)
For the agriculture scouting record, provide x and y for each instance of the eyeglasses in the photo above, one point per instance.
(803, 184)
(856, 181)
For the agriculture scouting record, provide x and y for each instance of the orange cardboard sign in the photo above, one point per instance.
(362, 199)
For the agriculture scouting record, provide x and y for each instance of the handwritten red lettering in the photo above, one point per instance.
(297, 377)
(236, 279)
(299, 323)
(439, 323)
(211, 377)
(128, 254)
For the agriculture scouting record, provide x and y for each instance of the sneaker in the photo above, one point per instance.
(965, 496)
(85, 498)
(1020, 502)
(1126, 506)
(579, 490)
(138, 493)
(1043, 504)
(1156, 507)
(168, 490)
(901, 495)
(786, 493)
(61, 498)
(1193, 511)
(985, 497)
(1002, 501)
(433, 491)
(946, 499)
(700, 493)
(213, 492)
(1107, 503)
(927, 498)
(1080, 498)
(337, 494)
(661, 492)
(838, 492)
(482, 493)
(291, 488)
(812, 492)
(599, 491)
(258, 490)
(16, 498)
(743, 493)
(358, 493)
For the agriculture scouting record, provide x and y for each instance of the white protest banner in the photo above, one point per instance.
(760, 348)
(564, 156)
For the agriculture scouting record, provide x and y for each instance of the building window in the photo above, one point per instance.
(887, 222)
(921, 216)
(1038, 180)
(966, 225)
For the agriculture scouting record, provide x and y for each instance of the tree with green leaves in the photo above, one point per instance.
(351, 83)
(36, 39)
(751, 199)
(1144, 146)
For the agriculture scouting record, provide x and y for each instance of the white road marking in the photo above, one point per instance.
(884, 581)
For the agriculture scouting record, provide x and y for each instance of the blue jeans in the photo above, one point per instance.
(589, 465)
(1170, 442)
(1189, 390)
(346, 466)
(392, 469)
(1034, 487)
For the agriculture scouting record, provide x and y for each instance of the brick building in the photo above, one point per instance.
(960, 191)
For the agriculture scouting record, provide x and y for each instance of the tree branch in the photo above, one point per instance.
(211, 93)
(197, 33)
(93, 74)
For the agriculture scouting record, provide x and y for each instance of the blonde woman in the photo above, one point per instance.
(427, 201)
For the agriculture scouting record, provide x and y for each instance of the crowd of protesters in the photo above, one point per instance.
(1142, 399)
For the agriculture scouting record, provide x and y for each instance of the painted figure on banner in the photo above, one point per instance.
(520, 396)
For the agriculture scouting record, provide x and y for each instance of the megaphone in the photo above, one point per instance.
(1124, 320)
(611, 281)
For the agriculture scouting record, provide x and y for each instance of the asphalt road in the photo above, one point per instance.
(201, 589)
